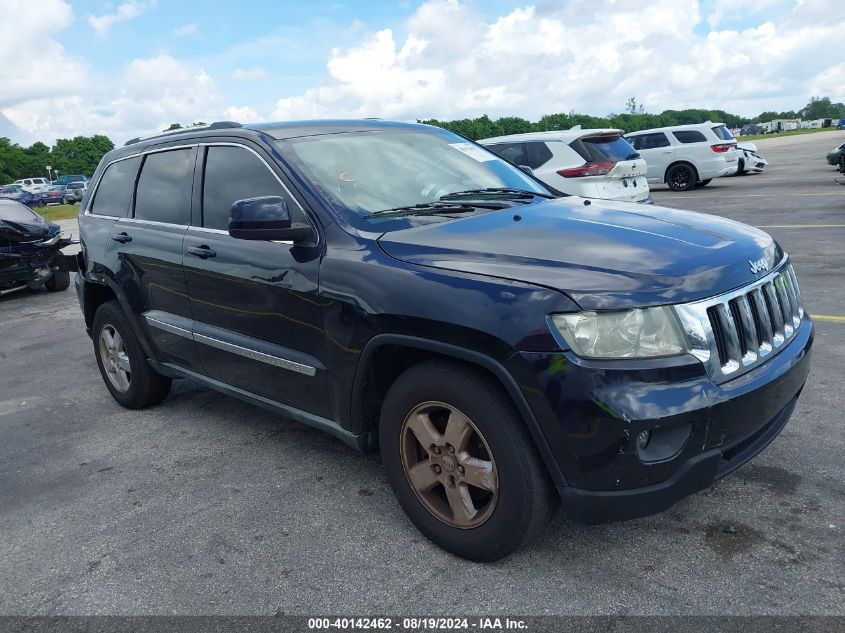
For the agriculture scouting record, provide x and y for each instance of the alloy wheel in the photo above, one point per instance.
(681, 177)
(115, 358)
(449, 465)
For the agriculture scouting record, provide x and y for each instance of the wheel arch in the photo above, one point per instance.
(386, 356)
(95, 296)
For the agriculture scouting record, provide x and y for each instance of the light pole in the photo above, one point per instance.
(49, 173)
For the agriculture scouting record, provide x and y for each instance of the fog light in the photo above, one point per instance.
(643, 439)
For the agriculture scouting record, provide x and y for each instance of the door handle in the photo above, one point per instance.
(203, 252)
(122, 237)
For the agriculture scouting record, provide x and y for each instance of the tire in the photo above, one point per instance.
(517, 499)
(740, 168)
(681, 177)
(60, 280)
(143, 386)
(703, 183)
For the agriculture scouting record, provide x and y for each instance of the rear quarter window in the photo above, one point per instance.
(114, 192)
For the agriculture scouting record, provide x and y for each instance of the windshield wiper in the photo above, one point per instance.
(498, 191)
(432, 208)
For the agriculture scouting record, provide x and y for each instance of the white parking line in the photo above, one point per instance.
(760, 195)
(801, 226)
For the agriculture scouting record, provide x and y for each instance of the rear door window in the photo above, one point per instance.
(114, 193)
(234, 173)
(723, 133)
(164, 187)
(690, 136)
(651, 141)
(512, 152)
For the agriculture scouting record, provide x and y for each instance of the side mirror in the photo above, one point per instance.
(526, 169)
(265, 218)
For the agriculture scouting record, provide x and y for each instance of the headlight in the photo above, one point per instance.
(636, 333)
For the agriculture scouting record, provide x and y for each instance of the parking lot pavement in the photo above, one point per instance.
(207, 505)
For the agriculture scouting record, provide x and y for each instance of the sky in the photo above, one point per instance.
(128, 68)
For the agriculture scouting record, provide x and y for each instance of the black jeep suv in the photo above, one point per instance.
(406, 290)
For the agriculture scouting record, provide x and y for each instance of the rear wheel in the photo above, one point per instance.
(461, 462)
(58, 281)
(703, 183)
(123, 364)
(681, 177)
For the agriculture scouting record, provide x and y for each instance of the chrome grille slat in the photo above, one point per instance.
(749, 330)
(764, 321)
(775, 312)
(738, 330)
(785, 307)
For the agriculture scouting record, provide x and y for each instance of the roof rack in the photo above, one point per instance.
(217, 125)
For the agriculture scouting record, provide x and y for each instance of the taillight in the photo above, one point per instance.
(587, 169)
(721, 148)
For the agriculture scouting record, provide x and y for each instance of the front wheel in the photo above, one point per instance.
(681, 177)
(740, 168)
(122, 362)
(461, 462)
(58, 281)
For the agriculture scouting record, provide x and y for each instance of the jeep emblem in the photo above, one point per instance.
(760, 264)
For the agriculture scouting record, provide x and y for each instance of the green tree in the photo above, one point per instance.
(81, 154)
(822, 108)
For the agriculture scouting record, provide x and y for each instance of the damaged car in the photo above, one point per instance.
(31, 251)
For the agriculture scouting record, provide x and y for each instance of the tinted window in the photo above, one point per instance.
(233, 173)
(650, 141)
(604, 149)
(115, 189)
(689, 136)
(164, 188)
(723, 133)
(538, 154)
(511, 152)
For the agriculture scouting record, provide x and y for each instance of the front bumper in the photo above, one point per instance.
(592, 413)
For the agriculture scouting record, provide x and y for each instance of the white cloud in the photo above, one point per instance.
(26, 61)
(126, 11)
(243, 114)
(445, 61)
(186, 29)
(151, 94)
(449, 62)
(249, 74)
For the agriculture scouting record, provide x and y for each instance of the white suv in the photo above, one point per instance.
(587, 163)
(33, 185)
(685, 156)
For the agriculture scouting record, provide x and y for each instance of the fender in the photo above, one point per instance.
(470, 356)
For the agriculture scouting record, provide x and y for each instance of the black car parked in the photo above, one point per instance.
(406, 290)
(30, 251)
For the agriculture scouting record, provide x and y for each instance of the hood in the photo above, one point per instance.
(33, 230)
(604, 255)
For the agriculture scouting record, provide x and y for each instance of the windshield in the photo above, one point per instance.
(17, 213)
(364, 172)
